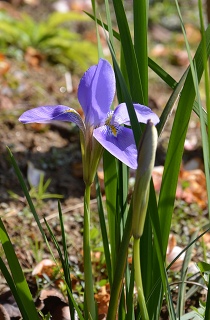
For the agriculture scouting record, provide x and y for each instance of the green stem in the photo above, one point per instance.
(120, 269)
(89, 294)
(138, 279)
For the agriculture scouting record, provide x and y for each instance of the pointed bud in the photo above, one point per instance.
(146, 160)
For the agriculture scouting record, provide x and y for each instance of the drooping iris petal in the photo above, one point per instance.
(122, 146)
(47, 114)
(143, 113)
(96, 92)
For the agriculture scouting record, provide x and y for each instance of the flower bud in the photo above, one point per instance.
(146, 160)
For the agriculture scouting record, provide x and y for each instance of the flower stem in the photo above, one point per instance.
(120, 270)
(138, 279)
(89, 294)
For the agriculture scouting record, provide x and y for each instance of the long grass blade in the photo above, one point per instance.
(182, 286)
(65, 262)
(167, 78)
(100, 49)
(26, 193)
(110, 181)
(13, 289)
(140, 21)
(159, 261)
(103, 231)
(66, 269)
(129, 53)
(176, 144)
(22, 290)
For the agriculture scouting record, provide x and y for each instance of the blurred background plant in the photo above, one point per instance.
(52, 39)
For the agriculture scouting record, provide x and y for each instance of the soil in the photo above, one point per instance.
(54, 149)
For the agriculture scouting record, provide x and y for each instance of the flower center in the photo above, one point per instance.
(112, 128)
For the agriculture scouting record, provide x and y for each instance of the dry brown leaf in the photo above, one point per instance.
(172, 252)
(10, 9)
(12, 311)
(195, 190)
(80, 5)
(52, 301)
(38, 127)
(33, 3)
(171, 243)
(206, 239)
(157, 174)
(102, 298)
(6, 103)
(8, 306)
(46, 266)
(4, 65)
(159, 50)
(179, 57)
(193, 35)
(3, 313)
(191, 185)
(46, 293)
(33, 57)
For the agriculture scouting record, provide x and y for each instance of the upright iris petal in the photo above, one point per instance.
(96, 93)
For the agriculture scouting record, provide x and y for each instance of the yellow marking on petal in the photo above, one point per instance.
(111, 126)
(113, 129)
(71, 110)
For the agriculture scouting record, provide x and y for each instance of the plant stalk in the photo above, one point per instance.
(138, 279)
(120, 269)
(89, 293)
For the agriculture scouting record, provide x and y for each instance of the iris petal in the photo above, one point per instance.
(47, 114)
(96, 92)
(143, 114)
(122, 146)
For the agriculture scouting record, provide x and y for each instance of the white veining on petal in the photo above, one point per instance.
(112, 128)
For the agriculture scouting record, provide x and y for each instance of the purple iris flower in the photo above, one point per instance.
(96, 93)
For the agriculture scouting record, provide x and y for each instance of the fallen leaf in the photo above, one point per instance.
(191, 185)
(4, 65)
(206, 239)
(34, 174)
(52, 301)
(159, 50)
(157, 175)
(172, 252)
(80, 5)
(46, 266)
(32, 2)
(193, 35)
(3, 313)
(179, 57)
(102, 298)
(33, 57)
(6, 103)
(8, 306)
(195, 190)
